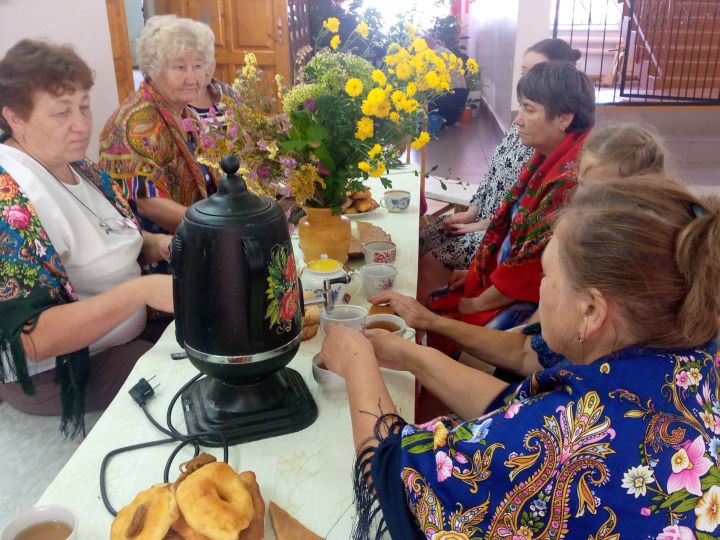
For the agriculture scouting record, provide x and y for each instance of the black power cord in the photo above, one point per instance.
(141, 392)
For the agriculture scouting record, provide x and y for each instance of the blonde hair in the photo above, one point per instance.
(633, 149)
(165, 37)
(654, 249)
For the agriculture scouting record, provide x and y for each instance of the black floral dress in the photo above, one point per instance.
(456, 252)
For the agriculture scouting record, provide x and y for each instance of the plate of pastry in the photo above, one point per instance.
(359, 203)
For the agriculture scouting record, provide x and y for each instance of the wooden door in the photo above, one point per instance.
(120, 48)
(240, 26)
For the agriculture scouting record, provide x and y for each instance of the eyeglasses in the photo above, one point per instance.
(117, 225)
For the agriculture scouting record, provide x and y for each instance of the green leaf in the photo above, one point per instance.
(675, 498)
(421, 448)
(699, 535)
(686, 505)
(321, 152)
(317, 133)
(462, 434)
(416, 437)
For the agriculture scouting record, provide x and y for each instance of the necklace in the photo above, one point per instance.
(109, 225)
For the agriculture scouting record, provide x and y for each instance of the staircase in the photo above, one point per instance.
(675, 47)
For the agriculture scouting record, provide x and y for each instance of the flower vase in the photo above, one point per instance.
(322, 232)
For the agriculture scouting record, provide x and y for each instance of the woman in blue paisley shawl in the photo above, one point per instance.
(72, 302)
(622, 442)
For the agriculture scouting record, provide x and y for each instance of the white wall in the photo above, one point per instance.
(533, 25)
(492, 31)
(81, 23)
(135, 23)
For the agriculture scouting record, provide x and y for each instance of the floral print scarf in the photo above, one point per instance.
(32, 279)
(142, 139)
(586, 451)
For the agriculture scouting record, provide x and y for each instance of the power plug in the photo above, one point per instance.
(142, 390)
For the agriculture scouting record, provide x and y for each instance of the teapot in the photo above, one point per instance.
(317, 271)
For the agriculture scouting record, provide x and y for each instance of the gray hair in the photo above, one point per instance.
(167, 36)
(561, 88)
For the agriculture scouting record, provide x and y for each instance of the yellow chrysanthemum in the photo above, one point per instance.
(376, 95)
(364, 166)
(394, 117)
(363, 30)
(404, 72)
(411, 89)
(398, 96)
(432, 80)
(368, 108)
(410, 29)
(335, 42)
(445, 86)
(420, 45)
(421, 140)
(365, 128)
(382, 110)
(379, 170)
(410, 105)
(379, 77)
(472, 66)
(332, 24)
(374, 151)
(354, 87)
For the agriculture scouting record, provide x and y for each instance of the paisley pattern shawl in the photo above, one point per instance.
(541, 188)
(586, 451)
(33, 279)
(143, 139)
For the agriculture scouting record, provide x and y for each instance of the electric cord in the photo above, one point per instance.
(141, 392)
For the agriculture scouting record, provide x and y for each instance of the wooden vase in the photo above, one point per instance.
(322, 232)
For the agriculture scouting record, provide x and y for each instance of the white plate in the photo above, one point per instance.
(359, 215)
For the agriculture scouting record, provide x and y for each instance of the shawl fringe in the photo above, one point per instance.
(369, 512)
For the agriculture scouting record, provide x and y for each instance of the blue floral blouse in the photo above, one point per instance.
(626, 447)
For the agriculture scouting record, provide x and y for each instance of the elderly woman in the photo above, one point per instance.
(149, 142)
(557, 108)
(588, 450)
(610, 152)
(73, 303)
(449, 244)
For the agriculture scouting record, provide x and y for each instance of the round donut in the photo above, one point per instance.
(148, 517)
(215, 502)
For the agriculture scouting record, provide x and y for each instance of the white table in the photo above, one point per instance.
(309, 473)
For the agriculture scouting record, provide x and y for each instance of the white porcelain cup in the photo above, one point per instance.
(377, 277)
(396, 200)
(386, 321)
(331, 382)
(352, 316)
(41, 514)
(379, 251)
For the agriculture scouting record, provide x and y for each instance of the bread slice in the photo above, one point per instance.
(287, 527)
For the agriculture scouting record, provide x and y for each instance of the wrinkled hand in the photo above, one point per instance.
(157, 291)
(468, 306)
(457, 279)
(413, 312)
(459, 229)
(387, 348)
(345, 350)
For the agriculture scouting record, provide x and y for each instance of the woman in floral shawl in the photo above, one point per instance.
(623, 442)
(72, 302)
(149, 142)
(557, 107)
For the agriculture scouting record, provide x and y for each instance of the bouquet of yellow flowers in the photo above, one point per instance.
(345, 123)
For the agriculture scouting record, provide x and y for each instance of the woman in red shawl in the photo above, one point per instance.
(557, 109)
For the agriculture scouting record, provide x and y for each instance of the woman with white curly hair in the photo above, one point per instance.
(148, 144)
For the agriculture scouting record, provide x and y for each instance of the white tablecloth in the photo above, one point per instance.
(309, 473)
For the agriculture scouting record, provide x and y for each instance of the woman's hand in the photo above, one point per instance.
(457, 279)
(412, 311)
(387, 347)
(156, 247)
(458, 229)
(346, 351)
(157, 291)
(468, 216)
